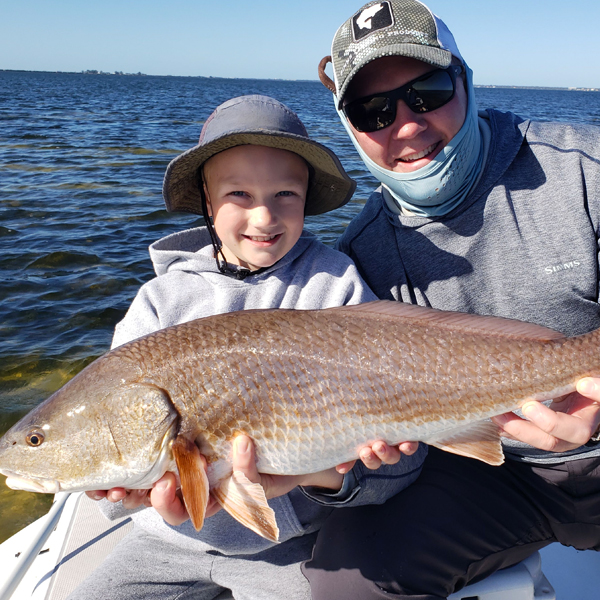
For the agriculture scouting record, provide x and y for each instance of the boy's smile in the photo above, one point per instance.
(256, 197)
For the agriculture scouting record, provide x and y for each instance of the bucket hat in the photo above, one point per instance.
(391, 28)
(261, 121)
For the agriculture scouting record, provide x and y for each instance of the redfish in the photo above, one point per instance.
(310, 387)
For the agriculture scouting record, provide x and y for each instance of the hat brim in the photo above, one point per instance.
(330, 187)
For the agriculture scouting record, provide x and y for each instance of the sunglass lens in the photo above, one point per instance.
(431, 93)
(375, 114)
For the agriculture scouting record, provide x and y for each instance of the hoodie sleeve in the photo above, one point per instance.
(364, 486)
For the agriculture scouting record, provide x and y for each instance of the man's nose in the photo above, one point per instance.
(407, 124)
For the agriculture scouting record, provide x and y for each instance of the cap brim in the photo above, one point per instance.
(330, 186)
(437, 57)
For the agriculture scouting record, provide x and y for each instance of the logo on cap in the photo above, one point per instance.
(376, 17)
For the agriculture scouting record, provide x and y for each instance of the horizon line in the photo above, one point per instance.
(140, 74)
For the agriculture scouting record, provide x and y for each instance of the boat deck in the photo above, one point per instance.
(83, 538)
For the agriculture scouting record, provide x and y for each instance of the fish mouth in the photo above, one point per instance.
(31, 484)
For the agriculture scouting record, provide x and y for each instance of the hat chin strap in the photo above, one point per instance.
(216, 242)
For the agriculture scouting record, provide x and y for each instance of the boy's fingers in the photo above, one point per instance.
(212, 507)
(345, 467)
(244, 458)
(369, 458)
(134, 498)
(380, 453)
(167, 503)
(116, 494)
(389, 455)
(96, 494)
(408, 448)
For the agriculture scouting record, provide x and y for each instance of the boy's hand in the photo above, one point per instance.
(244, 460)
(380, 453)
(568, 423)
(166, 498)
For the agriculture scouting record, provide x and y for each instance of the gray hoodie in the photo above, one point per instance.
(189, 286)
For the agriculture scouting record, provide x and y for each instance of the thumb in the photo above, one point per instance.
(244, 458)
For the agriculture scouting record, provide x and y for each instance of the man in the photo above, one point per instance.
(478, 212)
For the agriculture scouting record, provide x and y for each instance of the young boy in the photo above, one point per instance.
(253, 175)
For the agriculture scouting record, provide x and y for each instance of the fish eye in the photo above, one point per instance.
(34, 438)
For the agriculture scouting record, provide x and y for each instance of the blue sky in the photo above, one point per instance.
(509, 42)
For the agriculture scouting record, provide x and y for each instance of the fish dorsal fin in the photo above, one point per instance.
(246, 502)
(454, 320)
(480, 440)
(194, 482)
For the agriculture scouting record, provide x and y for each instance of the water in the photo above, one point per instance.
(82, 159)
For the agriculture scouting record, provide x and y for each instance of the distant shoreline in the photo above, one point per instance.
(538, 87)
(122, 74)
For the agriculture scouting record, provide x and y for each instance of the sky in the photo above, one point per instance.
(511, 42)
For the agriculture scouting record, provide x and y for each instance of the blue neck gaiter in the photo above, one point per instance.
(441, 186)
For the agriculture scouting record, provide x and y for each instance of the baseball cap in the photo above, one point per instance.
(261, 121)
(391, 28)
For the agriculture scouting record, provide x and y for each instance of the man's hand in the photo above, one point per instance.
(568, 423)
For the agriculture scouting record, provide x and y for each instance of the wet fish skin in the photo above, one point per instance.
(310, 387)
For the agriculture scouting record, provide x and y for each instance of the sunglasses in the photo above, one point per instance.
(423, 94)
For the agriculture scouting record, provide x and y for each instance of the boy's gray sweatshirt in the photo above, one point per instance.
(523, 245)
(189, 286)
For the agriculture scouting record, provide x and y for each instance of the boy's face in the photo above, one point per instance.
(256, 197)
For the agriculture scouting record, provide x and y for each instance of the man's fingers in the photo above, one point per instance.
(571, 428)
(547, 429)
(134, 498)
(519, 429)
(589, 387)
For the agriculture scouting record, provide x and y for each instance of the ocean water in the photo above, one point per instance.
(82, 159)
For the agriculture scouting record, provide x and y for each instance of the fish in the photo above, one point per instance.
(310, 387)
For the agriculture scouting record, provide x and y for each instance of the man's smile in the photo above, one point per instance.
(419, 155)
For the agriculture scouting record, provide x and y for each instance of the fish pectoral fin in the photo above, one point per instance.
(246, 502)
(194, 481)
(480, 440)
